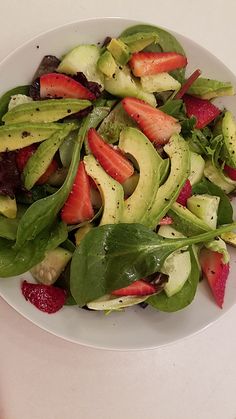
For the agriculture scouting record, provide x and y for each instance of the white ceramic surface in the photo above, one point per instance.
(135, 328)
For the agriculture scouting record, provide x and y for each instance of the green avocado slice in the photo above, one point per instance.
(45, 110)
(137, 206)
(16, 136)
(111, 191)
(179, 154)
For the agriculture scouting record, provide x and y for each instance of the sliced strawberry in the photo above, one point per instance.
(203, 110)
(185, 193)
(49, 172)
(155, 124)
(111, 159)
(148, 63)
(216, 273)
(188, 83)
(54, 85)
(78, 207)
(230, 171)
(23, 156)
(139, 287)
(46, 298)
(166, 221)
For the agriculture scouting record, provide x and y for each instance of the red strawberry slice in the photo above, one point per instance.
(50, 170)
(139, 287)
(78, 207)
(46, 298)
(188, 83)
(148, 63)
(231, 172)
(185, 193)
(111, 159)
(166, 221)
(54, 85)
(23, 156)
(155, 124)
(203, 110)
(216, 273)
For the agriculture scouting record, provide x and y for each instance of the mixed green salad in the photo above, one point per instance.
(116, 176)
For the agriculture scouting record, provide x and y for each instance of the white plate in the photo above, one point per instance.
(135, 328)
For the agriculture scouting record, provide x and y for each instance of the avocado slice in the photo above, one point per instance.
(114, 123)
(81, 233)
(160, 82)
(16, 136)
(45, 110)
(119, 51)
(179, 154)
(140, 40)
(83, 58)
(137, 206)
(218, 178)
(106, 64)
(229, 238)
(122, 84)
(111, 191)
(112, 303)
(209, 89)
(8, 206)
(51, 267)
(38, 163)
(229, 134)
(186, 222)
(205, 207)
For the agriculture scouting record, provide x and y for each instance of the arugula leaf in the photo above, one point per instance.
(225, 210)
(184, 297)
(42, 213)
(15, 261)
(115, 255)
(166, 41)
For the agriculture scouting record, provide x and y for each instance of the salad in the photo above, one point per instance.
(117, 173)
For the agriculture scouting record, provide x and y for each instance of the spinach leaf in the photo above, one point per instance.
(115, 255)
(42, 213)
(184, 297)
(225, 210)
(4, 100)
(167, 42)
(15, 261)
(8, 226)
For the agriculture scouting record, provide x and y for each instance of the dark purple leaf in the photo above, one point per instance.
(48, 64)
(34, 90)
(106, 41)
(10, 180)
(94, 87)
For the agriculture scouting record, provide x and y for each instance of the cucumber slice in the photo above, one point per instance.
(83, 58)
(178, 267)
(18, 100)
(205, 207)
(108, 302)
(197, 165)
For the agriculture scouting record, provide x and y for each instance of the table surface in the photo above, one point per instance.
(42, 376)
